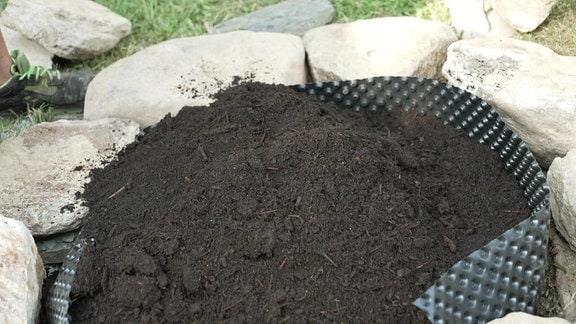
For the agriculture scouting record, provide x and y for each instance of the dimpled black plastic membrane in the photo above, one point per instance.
(506, 274)
(503, 276)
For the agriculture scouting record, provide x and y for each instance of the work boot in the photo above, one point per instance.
(32, 86)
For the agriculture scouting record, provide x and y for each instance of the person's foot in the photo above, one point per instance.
(32, 86)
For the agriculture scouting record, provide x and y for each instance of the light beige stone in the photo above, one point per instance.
(524, 318)
(499, 27)
(21, 274)
(468, 17)
(523, 15)
(394, 46)
(562, 180)
(533, 89)
(163, 78)
(71, 29)
(35, 53)
(42, 169)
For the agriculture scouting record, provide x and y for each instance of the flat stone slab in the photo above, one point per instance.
(165, 77)
(44, 168)
(291, 17)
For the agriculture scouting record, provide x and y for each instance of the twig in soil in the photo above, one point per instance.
(511, 211)
(115, 193)
(283, 263)
(387, 131)
(421, 265)
(202, 153)
(232, 305)
(451, 245)
(299, 299)
(335, 310)
(375, 249)
(260, 282)
(323, 254)
(266, 212)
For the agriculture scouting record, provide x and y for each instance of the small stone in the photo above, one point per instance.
(290, 16)
(68, 237)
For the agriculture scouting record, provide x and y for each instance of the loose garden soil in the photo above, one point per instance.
(270, 206)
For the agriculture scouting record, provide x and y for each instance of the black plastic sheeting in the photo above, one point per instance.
(503, 276)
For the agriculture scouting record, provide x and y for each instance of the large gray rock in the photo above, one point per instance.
(562, 180)
(395, 46)
(163, 78)
(533, 89)
(42, 169)
(21, 274)
(72, 29)
(524, 15)
(290, 16)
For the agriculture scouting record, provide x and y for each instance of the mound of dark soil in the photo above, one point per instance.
(270, 206)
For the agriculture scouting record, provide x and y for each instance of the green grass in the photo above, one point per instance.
(558, 32)
(16, 123)
(350, 10)
(154, 21)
